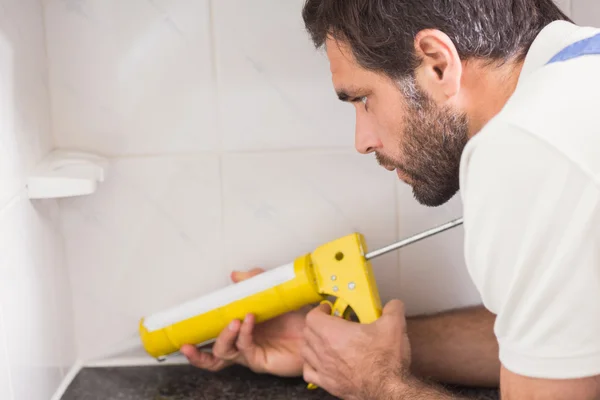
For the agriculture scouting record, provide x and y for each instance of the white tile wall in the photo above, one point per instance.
(586, 12)
(36, 319)
(275, 90)
(148, 239)
(131, 77)
(565, 6)
(36, 330)
(24, 133)
(433, 271)
(5, 381)
(202, 182)
(159, 232)
(279, 206)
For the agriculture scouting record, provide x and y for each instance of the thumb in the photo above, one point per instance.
(238, 276)
(394, 309)
(325, 307)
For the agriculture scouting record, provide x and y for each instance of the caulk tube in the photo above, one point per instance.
(200, 321)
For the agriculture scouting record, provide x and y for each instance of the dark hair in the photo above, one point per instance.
(381, 33)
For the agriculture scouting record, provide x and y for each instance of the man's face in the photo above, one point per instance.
(408, 132)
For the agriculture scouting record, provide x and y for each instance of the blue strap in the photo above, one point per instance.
(589, 46)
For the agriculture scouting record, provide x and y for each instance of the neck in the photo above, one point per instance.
(487, 89)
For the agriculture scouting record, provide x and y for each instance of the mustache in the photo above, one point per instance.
(386, 161)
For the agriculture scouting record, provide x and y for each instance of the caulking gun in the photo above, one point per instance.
(340, 268)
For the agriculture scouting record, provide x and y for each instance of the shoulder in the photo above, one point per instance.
(519, 192)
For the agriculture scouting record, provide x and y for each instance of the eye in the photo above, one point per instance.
(364, 101)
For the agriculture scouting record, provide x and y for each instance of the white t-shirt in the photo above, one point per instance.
(530, 185)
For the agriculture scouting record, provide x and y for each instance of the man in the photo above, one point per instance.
(489, 97)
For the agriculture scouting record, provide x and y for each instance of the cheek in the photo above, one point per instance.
(391, 128)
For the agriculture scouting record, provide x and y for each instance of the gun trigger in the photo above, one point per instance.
(327, 302)
(341, 309)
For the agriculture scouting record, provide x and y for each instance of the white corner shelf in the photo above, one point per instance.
(65, 173)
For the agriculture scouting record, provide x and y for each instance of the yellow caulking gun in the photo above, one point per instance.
(340, 268)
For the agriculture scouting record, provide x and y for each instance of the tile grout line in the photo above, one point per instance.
(398, 220)
(222, 211)
(215, 74)
(69, 283)
(57, 245)
(251, 152)
(217, 121)
(48, 76)
(571, 9)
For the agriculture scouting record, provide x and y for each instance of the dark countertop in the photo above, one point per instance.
(183, 382)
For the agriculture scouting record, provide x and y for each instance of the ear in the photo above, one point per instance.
(440, 70)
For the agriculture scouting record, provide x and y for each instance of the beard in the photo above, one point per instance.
(432, 143)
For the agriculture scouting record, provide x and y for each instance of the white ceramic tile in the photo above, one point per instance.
(275, 89)
(24, 102)
(433, 271)
(148, 239)
(5, 381)
(27, 295)
(280, 206)
(132, 77)
(565, 6)
(586, 12)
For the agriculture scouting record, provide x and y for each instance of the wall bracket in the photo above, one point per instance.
(64, 173)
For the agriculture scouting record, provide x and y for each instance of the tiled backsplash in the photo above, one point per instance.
(132, 77)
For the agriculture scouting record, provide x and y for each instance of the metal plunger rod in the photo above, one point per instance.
(413, 239)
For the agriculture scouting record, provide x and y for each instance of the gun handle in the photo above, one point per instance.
(343, 271)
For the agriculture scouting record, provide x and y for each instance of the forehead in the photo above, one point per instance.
(346, 73)
(341, 60)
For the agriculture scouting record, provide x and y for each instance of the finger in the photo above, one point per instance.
(201, 359)
(238, 276)
(324, 308)
(310, 375)
(394, 308)
(309, 355)
(322, 323)
(313, 341)
(244, 339)
(393, 316)
(224, 346)
(314, 317)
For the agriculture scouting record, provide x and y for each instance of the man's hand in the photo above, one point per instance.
(270, 347)
(357, 361)
(363, 361)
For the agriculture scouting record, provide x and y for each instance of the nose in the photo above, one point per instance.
(365, 139)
